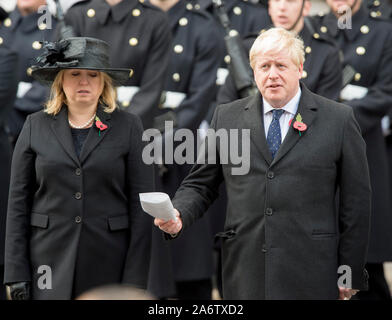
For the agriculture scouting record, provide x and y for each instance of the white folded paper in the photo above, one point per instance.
(221, 76)
(158, 205)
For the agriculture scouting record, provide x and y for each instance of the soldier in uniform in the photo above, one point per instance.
(8, 85)
(195, 54)
(139, 37)
(22, 33)
(322, 72)
(367, 47)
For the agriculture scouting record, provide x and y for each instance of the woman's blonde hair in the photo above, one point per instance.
(57, 96)
(276, 40)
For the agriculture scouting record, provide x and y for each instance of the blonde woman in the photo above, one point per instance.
(74, 220)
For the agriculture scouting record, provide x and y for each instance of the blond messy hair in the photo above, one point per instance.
(277, 40)
(57, 96)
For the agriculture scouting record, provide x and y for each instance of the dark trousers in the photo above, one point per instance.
(378, 287)
(194, 290)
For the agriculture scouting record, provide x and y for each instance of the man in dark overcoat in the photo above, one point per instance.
(284, 236)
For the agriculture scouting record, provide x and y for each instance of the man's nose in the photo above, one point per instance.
(282, 5)
(274, 72)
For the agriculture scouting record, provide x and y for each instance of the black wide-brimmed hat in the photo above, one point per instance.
(76, 53)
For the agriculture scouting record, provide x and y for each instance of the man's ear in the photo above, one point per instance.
(307, 7)
(300, 69)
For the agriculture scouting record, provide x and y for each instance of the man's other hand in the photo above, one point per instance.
(172, 226)
(346, 293)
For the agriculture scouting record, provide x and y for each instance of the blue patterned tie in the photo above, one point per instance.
(274, 136)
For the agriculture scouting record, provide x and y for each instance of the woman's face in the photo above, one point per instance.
(82, 87)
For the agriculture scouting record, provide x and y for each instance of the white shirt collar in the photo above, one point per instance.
(291, 107)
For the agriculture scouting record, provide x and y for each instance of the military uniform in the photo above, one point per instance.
(245, 18)
(322, 72)
(8, 85)
(139, 39)
(23, 35)
(367, 47)
(195, 54)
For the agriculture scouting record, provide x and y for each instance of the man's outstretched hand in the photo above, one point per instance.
(172, 226)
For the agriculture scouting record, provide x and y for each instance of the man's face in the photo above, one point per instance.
(277, 77)
(284, 13)
(30, 5)
(339, 5)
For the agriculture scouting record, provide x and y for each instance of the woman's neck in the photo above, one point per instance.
(79, 116)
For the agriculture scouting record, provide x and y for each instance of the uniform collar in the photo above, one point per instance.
(24, 23)
(358, 20)
(119, 11)
(207, 5)
(176, 12)
(305, 35)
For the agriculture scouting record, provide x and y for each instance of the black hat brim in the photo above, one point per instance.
(46, 75)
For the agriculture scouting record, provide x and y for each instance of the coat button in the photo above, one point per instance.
(264, 249)
(270, 175)
(136, 12)
(78, 219)
(7, 22)
(304, 74)
(78, 171)
(133, 42)
(91, 13)
(1, 40)
(78, 195)
(237, 11)
(268, 211)
(183, 22)
(308, 49)
(36, 45)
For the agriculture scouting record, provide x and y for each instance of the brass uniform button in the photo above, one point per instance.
(197, 6)
(29, 71)
(1, 41)
(7, 22)
(42, 26)
(324, 29)
(130, 73)
(37, 45)
(125, 104)
(176, 77)
(237, 11)
(316, 35)
(378, 13)
(90, 13)
(376, 3)
(189, 6)
(365, 29)
(357, 77)
(178, 48)
(183, 22)
(304, 74)
(361, 51)
(321, 14)
(227, 59)
(373, 14)
(233, 33)
(133, 42)
(136, 12)
(308, 50)
(141, 1)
